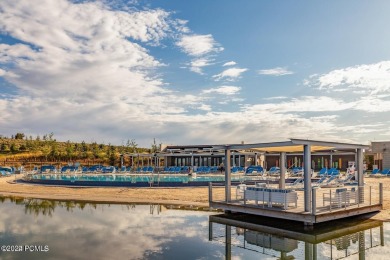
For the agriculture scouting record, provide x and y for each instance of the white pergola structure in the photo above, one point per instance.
(294, 146)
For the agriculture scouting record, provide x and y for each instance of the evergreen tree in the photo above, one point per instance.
(19, 136)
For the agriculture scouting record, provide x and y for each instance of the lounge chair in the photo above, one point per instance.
(386, 172)
(214, 169)
(274, 171)
(333, 171)
(297, 171)
(48, 168)
(297, 183)
(331, 182)
(347, 180)
(323, 172)
(234, 169)
(5, 171)
(321, 181)
(375, 171)
(254, 170)
(378, 173)
(108, 169)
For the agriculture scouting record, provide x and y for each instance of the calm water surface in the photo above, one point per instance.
(71, 230)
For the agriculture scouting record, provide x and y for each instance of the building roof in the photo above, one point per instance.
(294, 145)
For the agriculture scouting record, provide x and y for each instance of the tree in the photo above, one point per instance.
(14, 148)
(4, 147)
(132, 145)
(69, 150)
(155, 147)
(112, 155)
(19, 136)
(95, 150)
(46, 151)
(53, 151)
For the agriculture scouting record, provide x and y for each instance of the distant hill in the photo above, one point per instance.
(22, 149)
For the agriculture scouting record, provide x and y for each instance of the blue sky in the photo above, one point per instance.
(193, 72)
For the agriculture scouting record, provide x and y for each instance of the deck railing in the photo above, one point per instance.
(347, 197)
(323, 200)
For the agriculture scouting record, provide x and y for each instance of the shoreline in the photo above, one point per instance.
(178, 196)
(189, 196)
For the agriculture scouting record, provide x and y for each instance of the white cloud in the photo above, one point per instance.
(2, 72)
(361, 79)
(204, 107)
(278, 71)
(223, 90)
(230, 63)
(196, 65)
(87, 75)
(84, 64)
(275, 98)
(229, 74)
(198, 45)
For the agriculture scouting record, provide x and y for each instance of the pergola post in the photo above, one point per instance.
(307, 176)
(359, 164)
(228, 183)
(331, 159)
(256, 159)
(282, 180)
(192, 161)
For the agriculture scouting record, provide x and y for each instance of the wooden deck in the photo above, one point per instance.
(296, 214)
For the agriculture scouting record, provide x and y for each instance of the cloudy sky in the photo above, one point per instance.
(195, 72)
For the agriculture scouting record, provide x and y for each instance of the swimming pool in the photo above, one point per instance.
(138, 180)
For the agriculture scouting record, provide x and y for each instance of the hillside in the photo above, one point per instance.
(20, 150)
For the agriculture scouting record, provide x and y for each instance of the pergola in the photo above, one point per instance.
(294, 145)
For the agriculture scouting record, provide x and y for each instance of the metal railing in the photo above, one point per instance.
(323, 200)
(343, 198)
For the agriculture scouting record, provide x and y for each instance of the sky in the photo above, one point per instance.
(195, 72)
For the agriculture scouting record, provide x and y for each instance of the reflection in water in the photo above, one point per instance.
(83, 230)
(347, 238)
(47, 207)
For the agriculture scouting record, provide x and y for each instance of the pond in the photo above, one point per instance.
(44, 229)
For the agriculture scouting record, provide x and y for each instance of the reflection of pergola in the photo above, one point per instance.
(263, 235)
(307, 147)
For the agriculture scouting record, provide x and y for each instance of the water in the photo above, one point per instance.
(141, 178)
(71, 230)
